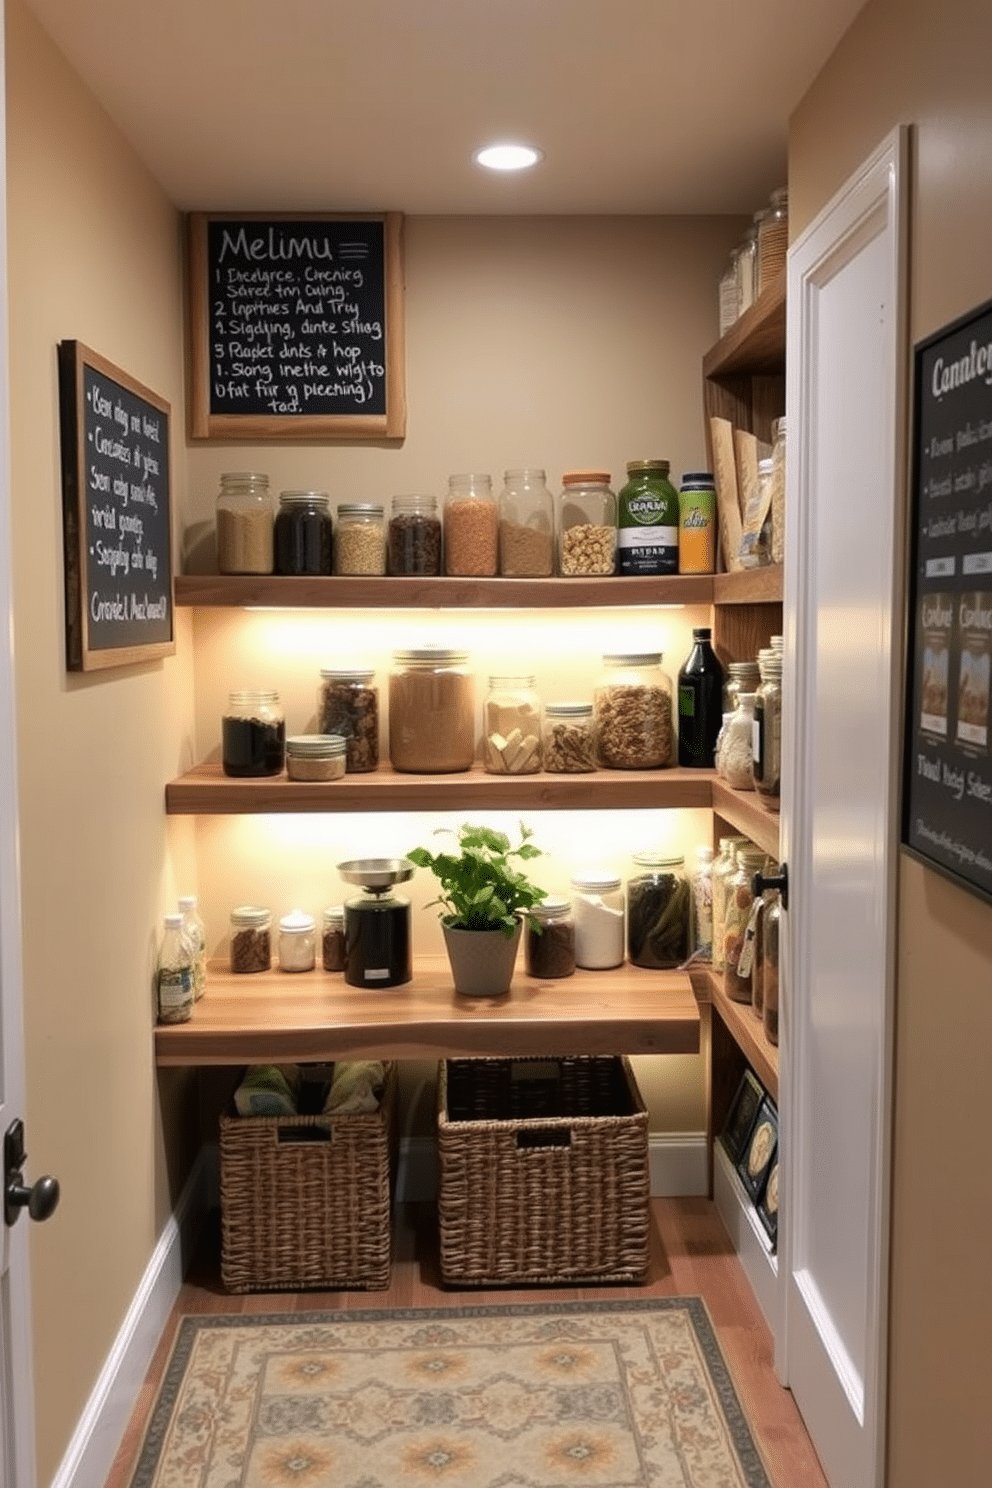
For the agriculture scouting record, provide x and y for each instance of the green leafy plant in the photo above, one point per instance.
(480, 888)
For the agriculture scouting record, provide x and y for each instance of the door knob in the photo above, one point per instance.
(762, 881)
(41, 1198)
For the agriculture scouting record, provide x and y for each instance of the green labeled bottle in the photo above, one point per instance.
(648, 520)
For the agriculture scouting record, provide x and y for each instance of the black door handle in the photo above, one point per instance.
(40, 1199)
(762, 881)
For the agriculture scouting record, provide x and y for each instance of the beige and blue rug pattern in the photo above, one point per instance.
(572, 1395)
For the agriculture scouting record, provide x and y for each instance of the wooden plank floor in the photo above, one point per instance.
(691, 1256)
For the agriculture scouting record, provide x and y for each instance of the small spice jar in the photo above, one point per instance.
(315, 757)
(251, 940)
(297, 941)
(244, 524)
(659, 911)
(587, 524)
(431, 711)
(348, 705)
(734, 747)
(304, 542)
(332, 938)
(361, 539)
(526, 525)
(549, 952)
(511, 727)
(740, 902)
(413, 537)
(648, 520)
(597, 907)
(632, 711)
(568, 740)
(766, 766)
(471, 527)
(253, 734)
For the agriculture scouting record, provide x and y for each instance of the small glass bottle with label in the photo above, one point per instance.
(737, 950)
(648, 520)
(196, 933)
(175, 973)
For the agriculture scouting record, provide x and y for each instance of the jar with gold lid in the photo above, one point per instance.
(587, 525)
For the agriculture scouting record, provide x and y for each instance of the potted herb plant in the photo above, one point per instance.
(484, 898)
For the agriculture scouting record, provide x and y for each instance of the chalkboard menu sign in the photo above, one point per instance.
(296, 326)
(947, 785)
(117, 523)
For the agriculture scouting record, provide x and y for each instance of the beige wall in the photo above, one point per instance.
(908, 62)
(92, 252)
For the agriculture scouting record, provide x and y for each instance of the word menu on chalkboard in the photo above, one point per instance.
(947, 791)
(296, 326)
(117, 522)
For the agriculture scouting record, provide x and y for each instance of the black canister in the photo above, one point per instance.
(377, 941)
(304, 534)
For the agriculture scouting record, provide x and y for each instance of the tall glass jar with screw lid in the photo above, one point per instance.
(413, 538)
(648, 520)
(568, 739)
(304, 542)
(348, 705)
(659, 911)
(633, 714)
(253, 734)
(361, 539)
(471, 527)
(511, 726)
(766, 766)
(549, 950)
(587, 525)
(526, 525)
(244, 524)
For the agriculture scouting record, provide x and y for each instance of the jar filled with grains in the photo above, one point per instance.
(253, 734)
(471, 527)
(773, 238)
(348, 705)
(568, 742)
(413, 538)
(251, 939)
(526, 525)
(244, 524)
(431, 711)
(511, 727)
(333, 946)
(297, 941)
(315, 757)
(361, 539)
(632, 712)
(587, 524)
(303, 533)
(549, 952)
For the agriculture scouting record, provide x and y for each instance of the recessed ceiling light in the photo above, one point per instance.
(507, 157)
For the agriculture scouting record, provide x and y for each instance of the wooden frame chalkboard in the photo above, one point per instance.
(947, 771)
(116, 514)
(296, 326)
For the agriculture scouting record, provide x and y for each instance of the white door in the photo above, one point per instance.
(845, 393)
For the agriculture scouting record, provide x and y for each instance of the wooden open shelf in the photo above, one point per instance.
(748, 812)
(277, 1017)
(755, 342)
(743, 1025)
(750, 586)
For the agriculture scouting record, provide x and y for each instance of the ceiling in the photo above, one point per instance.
(641, 106)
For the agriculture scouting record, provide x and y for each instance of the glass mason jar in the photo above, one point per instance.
(304, 533)
(723, 867)
(550, 952)
(597, 906)
(175, 973)
(771, 966)
(251, 939)
(747, 270)
(773, 238)
(315, 757)
(471, 527)
(778, 490)
(361, 539)
(348, 705)
(632, 711)
(729, 290)
(413, 538)
(511, 727)
(659, 911)
(332, 938)
(697, 523)
(766, 765)
(297, 941)
(244, 524)
(735, 745)
(253, 734)
(568, 739)
(648, 520)
(701, 887)
(526, 525)
(740, 902)
(742, 676)
(587, 525)
(431, 711)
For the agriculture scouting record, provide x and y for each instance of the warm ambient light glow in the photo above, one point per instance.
(507, 157)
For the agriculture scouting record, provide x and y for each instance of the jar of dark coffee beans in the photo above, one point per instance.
(253, 734)
(550, 950)
(348, 705)
(413, 538)
(251, 939)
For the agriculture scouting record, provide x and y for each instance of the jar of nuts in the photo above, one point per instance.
(361, 540)
(587, 524)
(632, 712)
(568, 741)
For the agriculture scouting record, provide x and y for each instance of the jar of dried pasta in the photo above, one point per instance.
(568, 741)
(587, 525)
(511, 727)
(632, 712)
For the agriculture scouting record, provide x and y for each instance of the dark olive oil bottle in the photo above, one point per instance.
(700, 691)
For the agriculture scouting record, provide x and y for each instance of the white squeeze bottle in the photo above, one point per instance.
(196, 933)
(175, 973)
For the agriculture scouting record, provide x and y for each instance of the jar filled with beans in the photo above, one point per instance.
(587, 525)
(361, 539)
(413, 539)
(348, 705)
(471, 527)
(632, 713)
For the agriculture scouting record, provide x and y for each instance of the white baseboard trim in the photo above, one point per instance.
(100, 1430)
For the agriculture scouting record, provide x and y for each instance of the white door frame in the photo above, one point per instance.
(842, 1397)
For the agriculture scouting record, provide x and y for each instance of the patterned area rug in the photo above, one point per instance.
(600, 1394)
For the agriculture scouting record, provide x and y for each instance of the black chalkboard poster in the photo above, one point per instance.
(947, 778)
(296, 326)
(116, 514)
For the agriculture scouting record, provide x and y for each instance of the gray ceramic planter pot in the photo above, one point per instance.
(482, 961)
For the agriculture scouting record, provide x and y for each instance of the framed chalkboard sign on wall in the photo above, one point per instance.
(947, 777)
(116, 514)
(296, 326)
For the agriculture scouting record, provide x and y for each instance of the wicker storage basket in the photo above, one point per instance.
(543, 1171)
(305, 1200)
